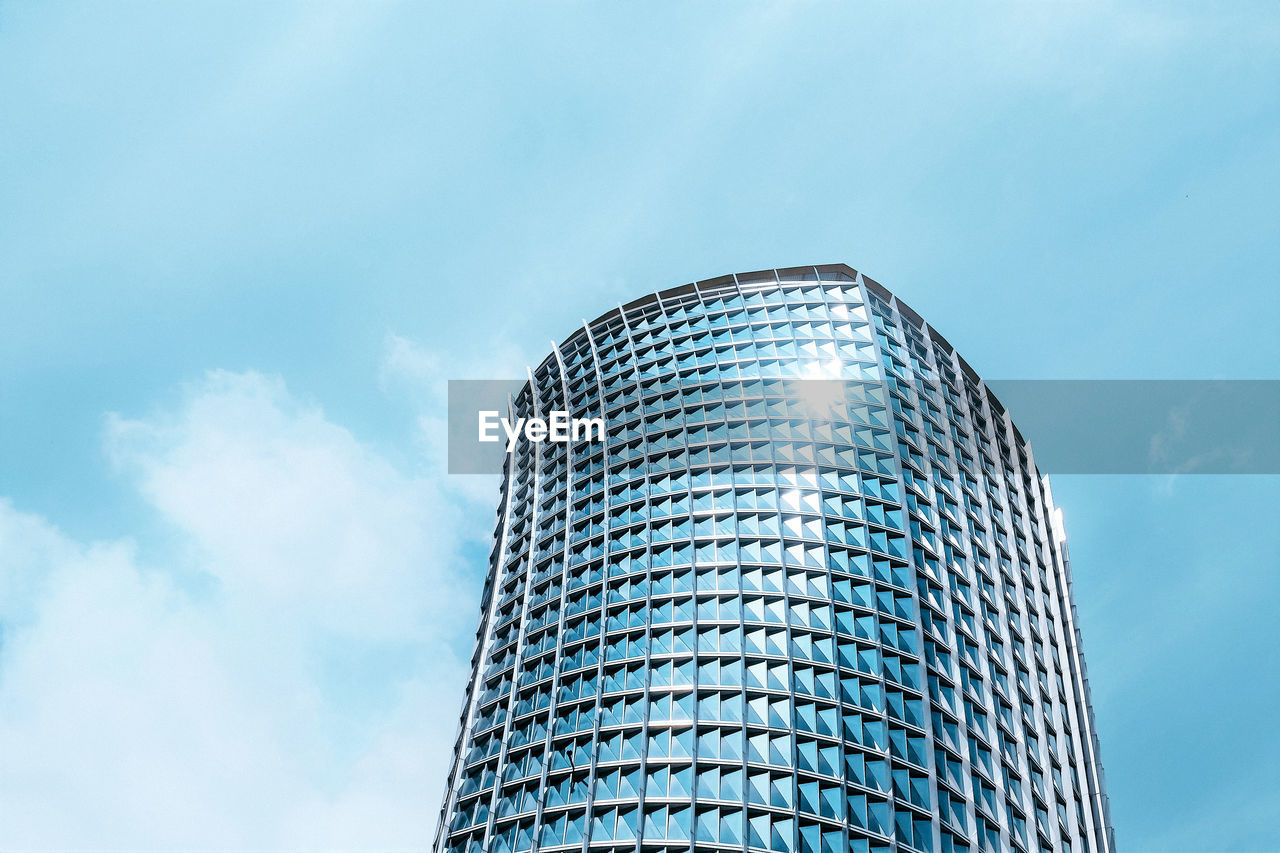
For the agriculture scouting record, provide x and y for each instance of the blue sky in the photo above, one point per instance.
(242, 246)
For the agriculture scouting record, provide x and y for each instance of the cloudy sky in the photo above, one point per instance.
(243, 246)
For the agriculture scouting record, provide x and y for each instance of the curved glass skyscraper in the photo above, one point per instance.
(810, 594)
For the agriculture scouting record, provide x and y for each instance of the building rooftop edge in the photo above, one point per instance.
(873, 286)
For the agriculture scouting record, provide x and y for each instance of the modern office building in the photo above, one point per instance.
(810, 594)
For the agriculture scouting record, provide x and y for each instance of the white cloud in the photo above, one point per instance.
(424, 374)
(284, 672)
(290, 510)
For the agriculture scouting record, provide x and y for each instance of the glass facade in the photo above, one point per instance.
(810, 594)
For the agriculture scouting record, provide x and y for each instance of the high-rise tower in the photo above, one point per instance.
(810, 594)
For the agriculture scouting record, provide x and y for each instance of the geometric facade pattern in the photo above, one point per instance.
(810, 594)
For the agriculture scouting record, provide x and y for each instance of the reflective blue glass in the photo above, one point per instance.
(810, 594)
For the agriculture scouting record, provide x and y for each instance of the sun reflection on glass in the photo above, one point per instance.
(819, 388)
